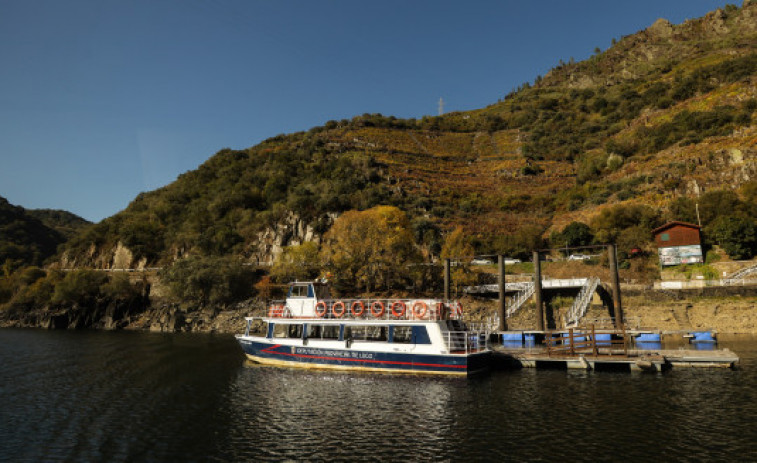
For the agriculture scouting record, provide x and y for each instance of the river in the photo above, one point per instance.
(126, 396)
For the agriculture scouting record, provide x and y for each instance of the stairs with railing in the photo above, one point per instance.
(581, 303)
(520, 298)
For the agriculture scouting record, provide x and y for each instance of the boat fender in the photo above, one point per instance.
(419, 309)
(402, 308)
(377, 309)
(338, 309)
(357, 308)
(320, 309)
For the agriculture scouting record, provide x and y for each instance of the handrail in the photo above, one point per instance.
(584, 342)
(581, 302)
(378, 309)
(520, 299)
(466, 342)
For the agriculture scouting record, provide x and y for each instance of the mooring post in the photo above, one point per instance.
(446, 280)
(617, 303)
(501, 308)
(537, 292)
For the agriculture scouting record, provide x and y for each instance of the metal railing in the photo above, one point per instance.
(581, 302)
(520, 299)
(375, 309)
(466, 342)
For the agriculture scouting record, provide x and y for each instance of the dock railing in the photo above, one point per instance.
(589, 341)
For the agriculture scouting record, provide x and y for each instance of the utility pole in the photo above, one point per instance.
(441, 106)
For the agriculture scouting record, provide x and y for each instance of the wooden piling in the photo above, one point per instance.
(501, 307)
(538, 293)
(617, 303)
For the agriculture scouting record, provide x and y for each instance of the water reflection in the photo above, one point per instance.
(146, 397)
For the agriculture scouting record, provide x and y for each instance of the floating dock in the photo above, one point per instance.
(589, 349)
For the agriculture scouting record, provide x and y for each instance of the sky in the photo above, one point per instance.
(103, 99)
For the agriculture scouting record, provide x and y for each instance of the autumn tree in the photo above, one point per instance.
(458, 248)
(371, 249)
(297, 262)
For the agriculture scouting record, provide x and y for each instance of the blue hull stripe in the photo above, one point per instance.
(382, 360)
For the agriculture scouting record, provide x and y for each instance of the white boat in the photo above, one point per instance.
(312, 330)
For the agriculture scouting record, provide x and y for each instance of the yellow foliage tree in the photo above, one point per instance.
(458, 249)
(371, 249)
(296, 262)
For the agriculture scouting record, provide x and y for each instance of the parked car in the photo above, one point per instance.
(479, 261)
(579, 257)
(510, 261)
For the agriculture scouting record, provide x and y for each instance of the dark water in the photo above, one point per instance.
(97, 396)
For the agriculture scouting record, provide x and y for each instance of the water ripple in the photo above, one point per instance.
(88, 396)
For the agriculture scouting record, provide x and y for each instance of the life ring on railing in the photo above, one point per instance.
(456, 310)
(338, 312)
(441, 312)
(357, 313)
(320, 309)
(276, 311)
(419, 309)
(403, 309)
(380, 312)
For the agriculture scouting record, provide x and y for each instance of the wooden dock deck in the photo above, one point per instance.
(586, 349)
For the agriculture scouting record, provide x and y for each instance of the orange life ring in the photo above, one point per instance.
(420, 312)
(320, 305)
(380, 312)
(338, 312)
(401, 313)
(457, 310)
(276, 311)
(357, 313)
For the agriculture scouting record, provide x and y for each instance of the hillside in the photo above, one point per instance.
(663, 116)
(24, 239)
(64, 222)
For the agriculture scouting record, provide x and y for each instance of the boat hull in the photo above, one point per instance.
(364, 360)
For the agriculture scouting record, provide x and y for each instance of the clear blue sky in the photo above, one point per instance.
(103, 99)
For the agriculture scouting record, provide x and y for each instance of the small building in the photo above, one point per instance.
(678, 243)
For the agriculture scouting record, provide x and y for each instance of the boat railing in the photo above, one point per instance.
(375, 309)
(466, 342)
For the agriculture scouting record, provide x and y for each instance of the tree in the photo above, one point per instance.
(613, 220)
(574, 234)
(218, 280)
(297, 262)
(458, 248)
(370, 249)
(716, 203)
(736, 235)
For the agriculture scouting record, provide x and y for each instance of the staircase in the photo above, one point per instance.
(581, 303)
(520, 298)
(740, 275)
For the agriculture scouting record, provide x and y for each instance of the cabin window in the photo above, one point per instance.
(665, 237)
(294, 331)
(322, 292)
(365, 333)
(280, 331)
(298, 291)
(403, 334)
(323, 332)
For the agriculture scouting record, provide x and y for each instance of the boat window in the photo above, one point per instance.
(322, 292)
(279, 331)
(298, 291)
(295, 331)
(323, 332)
(403, 334)
(366, 333)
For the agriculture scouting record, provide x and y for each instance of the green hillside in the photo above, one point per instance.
(24, 239)
(621, 141)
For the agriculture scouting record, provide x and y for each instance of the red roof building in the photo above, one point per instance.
(678, 243)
